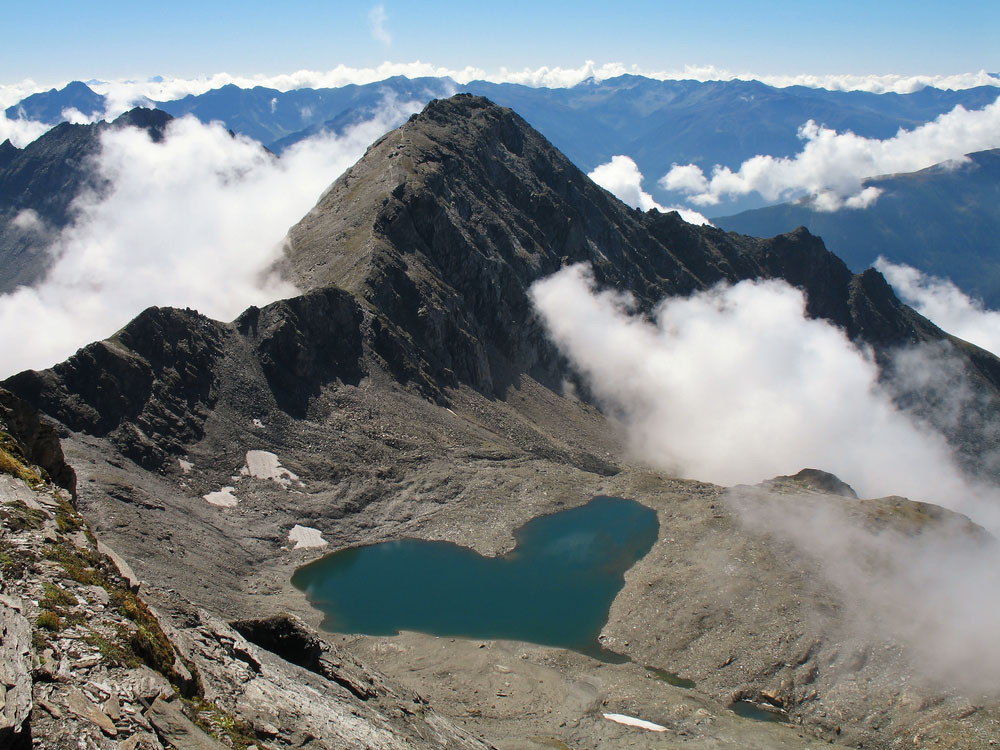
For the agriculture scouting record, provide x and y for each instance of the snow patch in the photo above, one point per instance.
(265, 465)
(631, 721)
(186, 466)
(306, 536)
(258, 423)
(223, 498)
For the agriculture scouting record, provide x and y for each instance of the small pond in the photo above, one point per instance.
(555, 588)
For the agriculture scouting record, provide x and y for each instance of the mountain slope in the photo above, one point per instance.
(409, 392)
(944, 220)
(448, 220)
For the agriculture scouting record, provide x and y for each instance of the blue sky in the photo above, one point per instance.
(58, 40)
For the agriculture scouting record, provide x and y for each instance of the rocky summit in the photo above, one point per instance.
(410, 391)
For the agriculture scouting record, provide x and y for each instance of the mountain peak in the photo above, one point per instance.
(48, 106)
(153, 121)
(444, 224)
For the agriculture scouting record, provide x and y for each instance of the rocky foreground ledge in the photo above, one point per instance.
(86, 661)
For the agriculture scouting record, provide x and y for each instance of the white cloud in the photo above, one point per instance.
(27, 220)
(194, 221)
(863, 199)
(831, 166)
(940, 301)
(621, 176)
(686, 178)
(376, 24)
(19, 131)
(76, 117)
(12, 93)
(736, 385)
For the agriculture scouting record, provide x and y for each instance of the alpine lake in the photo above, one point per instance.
(555, 588)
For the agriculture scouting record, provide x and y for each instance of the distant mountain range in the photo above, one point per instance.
(657, 123)
(944, 220)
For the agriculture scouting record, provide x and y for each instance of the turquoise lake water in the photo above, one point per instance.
(555, 588)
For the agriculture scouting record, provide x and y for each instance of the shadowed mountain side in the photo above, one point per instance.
(48, 106)
(150, 387)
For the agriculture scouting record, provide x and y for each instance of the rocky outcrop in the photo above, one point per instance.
(290, 638)
(148, 388)
(36, 440)
(85, 659)
(15, 678)
(304, 343)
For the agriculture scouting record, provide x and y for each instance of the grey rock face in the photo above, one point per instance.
(15, 678)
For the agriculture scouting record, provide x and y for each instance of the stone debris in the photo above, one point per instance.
(140, 741)
(80, 705)
(15, 673)
(177, 730)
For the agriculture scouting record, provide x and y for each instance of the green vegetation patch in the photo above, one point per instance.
(54, 597)
(147, 642)
(222, 725)
(14, 562)
(114, 650)
(68, 520)
(19, 517)
(49, 620)
(13, 462)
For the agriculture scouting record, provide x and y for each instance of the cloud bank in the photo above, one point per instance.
(947, 306)
(831, 167)
(621, 177)
(194, 221)
(20, 132)
(934, 592)
(736, 385)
